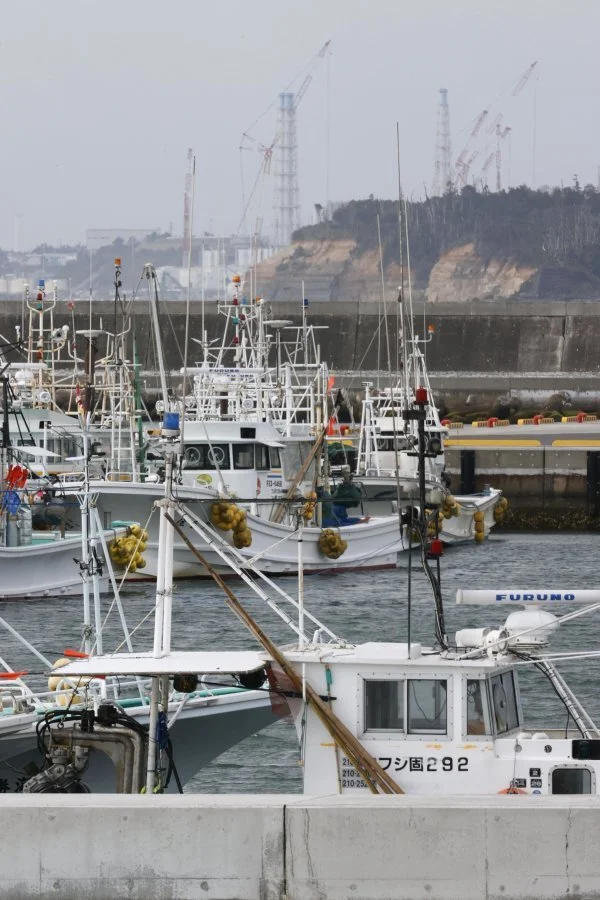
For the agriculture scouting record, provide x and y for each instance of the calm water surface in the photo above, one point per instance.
(358, 607)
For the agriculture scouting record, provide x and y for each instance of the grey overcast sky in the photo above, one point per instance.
(102, 98)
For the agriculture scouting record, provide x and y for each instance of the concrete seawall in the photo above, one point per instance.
(509, 337)
(286, 847)
(479, 351)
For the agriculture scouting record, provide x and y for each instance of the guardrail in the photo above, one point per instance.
(494, 422)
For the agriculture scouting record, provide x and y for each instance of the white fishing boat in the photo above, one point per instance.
(372, 543)
(386, 463)
(38, 558)
(447, 719)
(205, 712)
(399, 717)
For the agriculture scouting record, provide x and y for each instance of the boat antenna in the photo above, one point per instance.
(91, 294)
(187, 306)
(418, 412)
(401, 377)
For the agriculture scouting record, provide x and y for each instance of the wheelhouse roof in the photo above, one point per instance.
(231, 433)
(196, 662)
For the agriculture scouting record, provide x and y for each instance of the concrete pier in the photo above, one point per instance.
(290, 847)
(547, 468)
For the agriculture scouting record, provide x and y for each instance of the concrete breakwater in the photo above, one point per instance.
(289, 847)
(479, 349)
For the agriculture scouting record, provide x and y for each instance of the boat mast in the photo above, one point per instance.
(150, 274)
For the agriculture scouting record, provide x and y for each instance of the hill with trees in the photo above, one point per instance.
(553, 233)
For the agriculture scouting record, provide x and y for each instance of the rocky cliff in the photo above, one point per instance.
(462, 275)
(337, 270)
(472, 245)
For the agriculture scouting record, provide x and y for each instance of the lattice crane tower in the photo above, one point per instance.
(187, 211)
(442, 170)
(286, 199)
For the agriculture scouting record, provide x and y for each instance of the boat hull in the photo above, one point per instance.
(42, 570)
(203, 731)
(375, 544)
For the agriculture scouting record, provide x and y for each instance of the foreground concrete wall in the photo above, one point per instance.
(280, 847)
(103, 847)
(466, 849)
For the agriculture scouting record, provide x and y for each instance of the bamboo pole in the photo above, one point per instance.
(369, 769)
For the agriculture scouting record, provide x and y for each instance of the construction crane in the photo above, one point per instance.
(523, 79)
(463, 175)
(501, 133)
(493, 126)
(488, 162)
(460, 159)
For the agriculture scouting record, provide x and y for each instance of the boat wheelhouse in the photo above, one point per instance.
(450, 721)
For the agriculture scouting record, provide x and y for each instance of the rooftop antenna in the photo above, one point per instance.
(442, 171)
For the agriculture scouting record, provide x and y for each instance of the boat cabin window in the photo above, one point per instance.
(243, 456)
(427, 706)
(386, 444)
(207, 456)
(477, 707)
(266, 458)
(293, 459)
(568, 780)
(384, 705)
(261, 457)
(504, 703)
(63, 447)
(424, 698)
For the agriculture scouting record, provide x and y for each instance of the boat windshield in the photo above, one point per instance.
(243, 456)
(207, 456)
(504, 702)
(478, 717)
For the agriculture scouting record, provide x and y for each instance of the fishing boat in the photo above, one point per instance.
(38, 556)
(447, 719)
(214, 701)
(400, 717)
(386, 459)
(251, 435)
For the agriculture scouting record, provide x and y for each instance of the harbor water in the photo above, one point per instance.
(356, 606)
